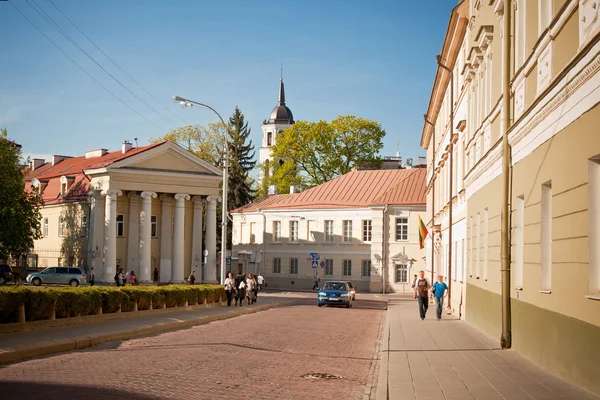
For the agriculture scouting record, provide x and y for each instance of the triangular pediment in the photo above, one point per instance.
(168, 157)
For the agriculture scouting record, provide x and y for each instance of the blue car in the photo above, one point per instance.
(335, 293)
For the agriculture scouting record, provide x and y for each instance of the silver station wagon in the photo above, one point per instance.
(59, 276)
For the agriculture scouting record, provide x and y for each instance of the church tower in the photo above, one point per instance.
(280, 119)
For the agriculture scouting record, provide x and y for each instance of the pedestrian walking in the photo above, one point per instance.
(132, 278)
(120, 278)
(240, 286)
(92, 277)
(421, 293)
(260, 280)
(155, 274)
(316, 281)
(414, 282)
(439, 290)
(255, 291)
(192, 278)
(229, 288)
(250, 282)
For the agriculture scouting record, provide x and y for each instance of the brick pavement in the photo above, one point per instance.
(259, 356)
(430, 360)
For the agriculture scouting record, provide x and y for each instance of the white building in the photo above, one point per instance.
(364, 226)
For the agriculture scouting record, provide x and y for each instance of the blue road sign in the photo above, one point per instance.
(315, 256)
(315, 264)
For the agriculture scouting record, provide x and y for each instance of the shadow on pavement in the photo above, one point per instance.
(32, 390)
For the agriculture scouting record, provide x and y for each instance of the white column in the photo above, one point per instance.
(145, 242)
(96, 232)
(133, 234)
(178, 243)
(210, 269)
(196, 260)
(110, 234)
(165, 237)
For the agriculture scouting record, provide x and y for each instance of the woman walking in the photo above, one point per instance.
(229, 288)
(250, 286)
(132, 278)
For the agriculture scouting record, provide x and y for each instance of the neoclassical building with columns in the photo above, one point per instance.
(140, 209)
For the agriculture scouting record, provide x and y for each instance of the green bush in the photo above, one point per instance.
(64, 302)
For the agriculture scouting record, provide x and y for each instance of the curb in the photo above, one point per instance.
(21, 353)
(381, 392)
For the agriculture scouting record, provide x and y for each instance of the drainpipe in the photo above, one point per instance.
(450, 157)
(264, 229)
(383, 253)
(432, 197)
(506, 339)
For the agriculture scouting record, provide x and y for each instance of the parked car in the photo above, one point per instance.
(335, 293)
(6, 274)
(58, 275)
(352, 290)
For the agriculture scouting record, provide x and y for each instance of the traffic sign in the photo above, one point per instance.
(315, 256)
(315, 264)
(322, 264)
(228, 261)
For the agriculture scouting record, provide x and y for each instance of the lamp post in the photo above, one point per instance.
(450, 156)
(190, 103)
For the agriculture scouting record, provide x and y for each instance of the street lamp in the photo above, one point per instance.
(190, 103)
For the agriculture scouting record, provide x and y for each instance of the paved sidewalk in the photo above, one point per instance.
(448, 359)
(20, 346)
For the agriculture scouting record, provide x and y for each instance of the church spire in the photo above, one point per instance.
(281, 101)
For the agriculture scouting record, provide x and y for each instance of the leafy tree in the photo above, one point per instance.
(324, 151)
(20, 217)
(205, 142)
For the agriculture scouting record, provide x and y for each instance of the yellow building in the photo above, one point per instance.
(139, 209)
(554, 161)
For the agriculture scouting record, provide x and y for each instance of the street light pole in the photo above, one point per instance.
(191, 103)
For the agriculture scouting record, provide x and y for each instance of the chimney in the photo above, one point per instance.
(95, 153)
(36, 163)
(126, 146)
(293, 189)
(56, 159)
(421, 160)
(273, 189)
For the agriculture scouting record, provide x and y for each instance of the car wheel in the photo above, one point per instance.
(74, 283)
(2, 280)
(348, 305)
(36, 281)
(319, 304)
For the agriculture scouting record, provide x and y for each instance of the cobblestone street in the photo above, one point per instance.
(266, 355)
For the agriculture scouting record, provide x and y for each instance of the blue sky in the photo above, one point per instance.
(370, 58)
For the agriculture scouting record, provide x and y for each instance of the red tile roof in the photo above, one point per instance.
(354, 190)
(74, 167)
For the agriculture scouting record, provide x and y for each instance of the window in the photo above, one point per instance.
(347, 268)
(293, 266)
(276, 231)
(329, 267)
(366, 268)
(154, 226)
(478, 245)
(120, 225)
(83, 224)
(401, 229)
(293, 231)
(367, 230)
(252, 232)
(269, 138)
(401, 274)
(546, 237)
(519, 242)
(594, 224)
(485, 244)
(545, 15)
(329, 231)
(347, 231)
(61, 226)
(277, 265)
(520, 33)
(472, 234)
(63, 189)
(45, 226)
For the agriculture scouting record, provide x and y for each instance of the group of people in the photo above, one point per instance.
(243, 287)
(122, 278)
(423, 291)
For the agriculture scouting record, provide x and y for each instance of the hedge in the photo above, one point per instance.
(64, 302)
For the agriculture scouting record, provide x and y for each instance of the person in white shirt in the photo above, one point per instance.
(229, 286)
(261, 280)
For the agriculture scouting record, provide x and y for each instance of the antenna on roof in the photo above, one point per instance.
(281, 71)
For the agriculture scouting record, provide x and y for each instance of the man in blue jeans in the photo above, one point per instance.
(440, 291)
(422, 294)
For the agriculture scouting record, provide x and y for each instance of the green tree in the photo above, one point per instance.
(205, 142)
(20, 217)
(324, 151)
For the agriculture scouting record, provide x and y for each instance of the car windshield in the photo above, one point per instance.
(334, 286)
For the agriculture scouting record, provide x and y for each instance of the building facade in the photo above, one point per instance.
(554, 161)
(363, 227)
(137, 208)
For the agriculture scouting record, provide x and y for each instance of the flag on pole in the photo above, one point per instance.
(422, 233)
